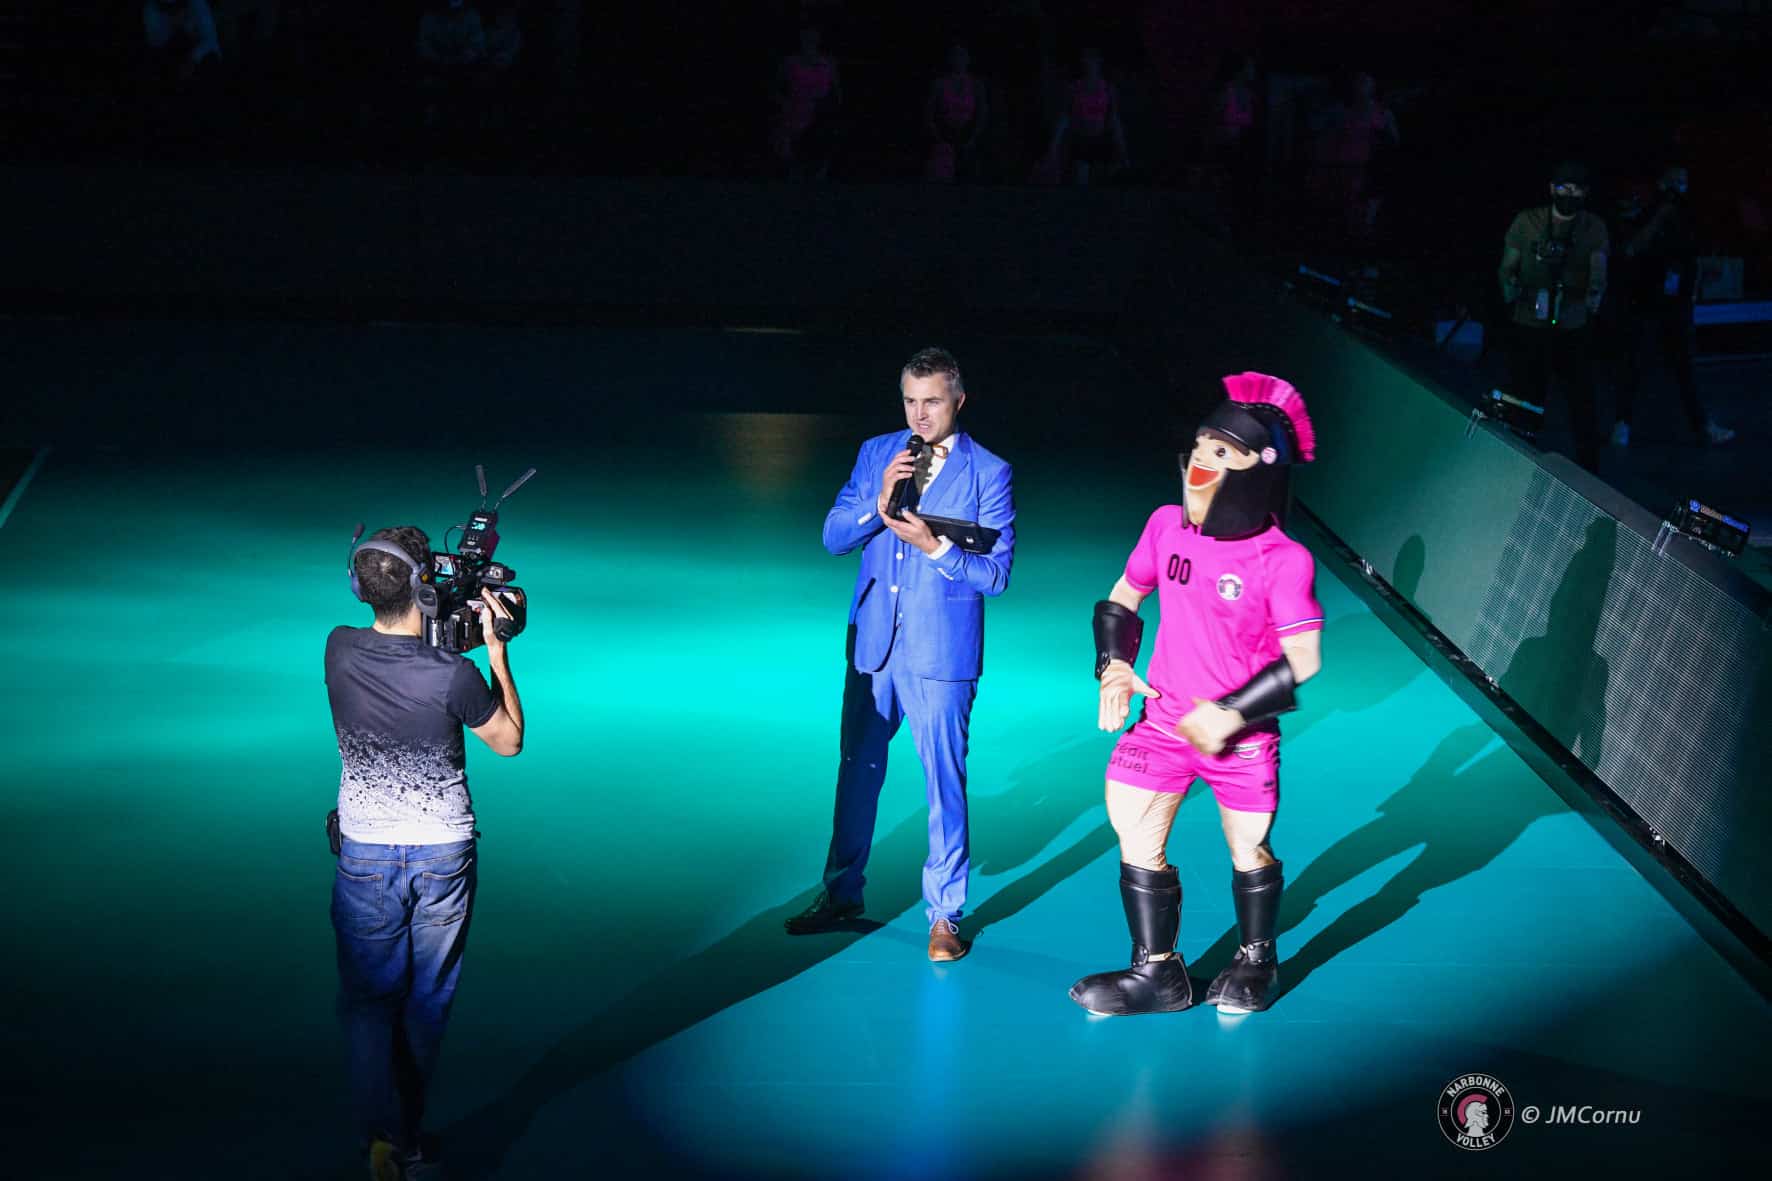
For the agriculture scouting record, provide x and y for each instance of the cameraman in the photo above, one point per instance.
(1660, 293)
(1553, 276)
(404, 891)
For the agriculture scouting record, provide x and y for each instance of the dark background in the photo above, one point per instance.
(1487, 95)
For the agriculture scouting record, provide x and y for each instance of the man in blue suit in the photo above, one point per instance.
(916, 640)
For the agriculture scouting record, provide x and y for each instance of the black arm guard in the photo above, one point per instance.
(1117, 635)
(1267, 694)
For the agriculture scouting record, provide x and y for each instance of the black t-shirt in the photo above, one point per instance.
(399, 706)
(1671, 248)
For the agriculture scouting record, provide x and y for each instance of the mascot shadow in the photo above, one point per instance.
(1470, 800)
(1461, 808)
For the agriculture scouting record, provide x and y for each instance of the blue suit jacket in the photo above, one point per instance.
(932, 608)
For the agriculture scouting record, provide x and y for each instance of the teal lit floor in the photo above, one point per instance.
(630, 1006)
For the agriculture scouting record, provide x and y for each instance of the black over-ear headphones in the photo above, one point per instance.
(423, 593)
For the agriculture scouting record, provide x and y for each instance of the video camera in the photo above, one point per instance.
(464, 575)
(450, 594)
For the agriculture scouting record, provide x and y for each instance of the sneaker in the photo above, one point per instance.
(1621, 434)
(945, 944)
(1716, 435)
(384, 1161)
(419, 1167)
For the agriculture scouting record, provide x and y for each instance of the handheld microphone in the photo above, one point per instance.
(902, 489)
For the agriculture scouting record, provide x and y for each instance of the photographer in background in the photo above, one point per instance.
(1660, 288)
(1553, 276)
(404, 891)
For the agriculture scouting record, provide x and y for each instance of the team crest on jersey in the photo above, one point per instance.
(1230, 588)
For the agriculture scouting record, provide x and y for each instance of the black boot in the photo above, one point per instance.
(1152, 898)
(1252, 980)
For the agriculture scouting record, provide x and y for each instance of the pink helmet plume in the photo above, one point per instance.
(1273, 391)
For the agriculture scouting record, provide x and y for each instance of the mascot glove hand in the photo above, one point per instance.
(1119, 681)
(1209, 725)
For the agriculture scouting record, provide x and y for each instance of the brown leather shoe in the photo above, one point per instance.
(945, 944)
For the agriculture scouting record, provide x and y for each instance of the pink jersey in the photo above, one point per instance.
(1089, 106)
(1351, 140)
(808, 84)
(1225, 606)
(1236, 113)
(958, 103)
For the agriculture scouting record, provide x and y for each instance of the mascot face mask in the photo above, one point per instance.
(1215, 457)
(1238, 477)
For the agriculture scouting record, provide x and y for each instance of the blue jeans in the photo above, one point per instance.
(400, 917)
(940, 713)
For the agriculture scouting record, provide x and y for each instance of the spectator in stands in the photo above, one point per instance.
(1089, 135)
(504, 46)
(1353, 130)
(248, 26)
(809, 99)
(451, 54)
(504, 37)
(181, 36)
(1657, 293)
(176, 112)
(451, 36)
(1230, 153)
(955, 115)
(1553, 277)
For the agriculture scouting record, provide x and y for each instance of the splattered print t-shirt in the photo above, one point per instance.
(399, 706)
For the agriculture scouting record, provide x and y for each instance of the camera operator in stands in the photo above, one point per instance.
(1553, 277)
(1659, 285)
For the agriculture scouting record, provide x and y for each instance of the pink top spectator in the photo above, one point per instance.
(1351, 141)
(1089, 106)
(1237, 112)
(808, 84)
(958, 102)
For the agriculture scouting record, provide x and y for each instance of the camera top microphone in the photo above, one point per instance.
(902, 490)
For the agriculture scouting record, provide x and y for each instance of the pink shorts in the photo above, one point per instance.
(1244, 777)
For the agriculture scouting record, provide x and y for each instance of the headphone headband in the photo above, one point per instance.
(388, 547)
(423, 594)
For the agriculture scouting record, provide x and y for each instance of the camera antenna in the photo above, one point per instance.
(480, 475)
(520, 481)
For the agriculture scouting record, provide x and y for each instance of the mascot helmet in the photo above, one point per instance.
(1267, 416)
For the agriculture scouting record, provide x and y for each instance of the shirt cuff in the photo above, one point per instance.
(947, 559)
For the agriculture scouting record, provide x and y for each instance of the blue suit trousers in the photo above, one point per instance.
(939, 713)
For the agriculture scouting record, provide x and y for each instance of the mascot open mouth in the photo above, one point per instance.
(1201, 477)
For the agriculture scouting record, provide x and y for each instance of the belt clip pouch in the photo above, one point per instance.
(1541, 305)
(334, 837)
